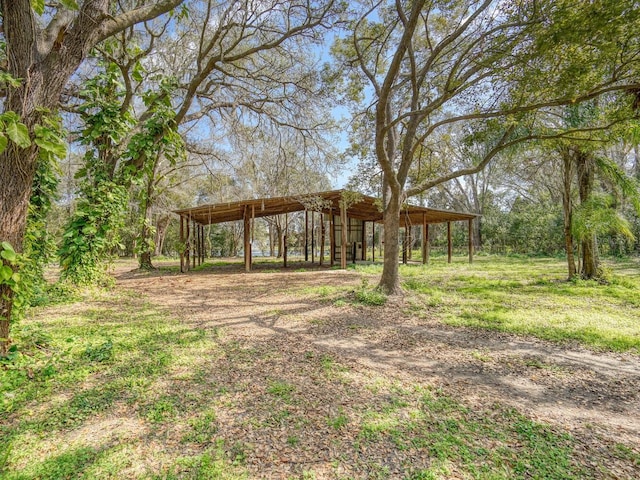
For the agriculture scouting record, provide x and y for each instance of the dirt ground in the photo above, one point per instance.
(586, 393)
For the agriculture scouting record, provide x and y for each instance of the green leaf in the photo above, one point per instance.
(70, 4)
(8, 79)
(10, 117)
(8, 255)
(19, 134)
(58, 149)
(89, 230)
(7, 246)
(3, 142)
(16, 277)
(38, 6)
(5, 273)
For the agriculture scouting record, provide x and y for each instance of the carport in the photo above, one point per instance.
(348, 215)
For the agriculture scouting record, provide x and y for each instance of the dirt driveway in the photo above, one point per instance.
(592, 395)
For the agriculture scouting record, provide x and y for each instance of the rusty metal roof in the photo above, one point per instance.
(363, 207)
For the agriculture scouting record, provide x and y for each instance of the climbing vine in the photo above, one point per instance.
(158, 140)
(92, 231)
(23, 273)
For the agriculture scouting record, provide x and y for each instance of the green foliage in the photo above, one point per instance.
(368, 296)
(530, 227)
(39, 246)
(111, 168)
(93, 233)
(7, 79)
(106, 124)
(158, 139)
(93, 230)
(9, 274)
(12, 129)
(597, 216)
(99, 353)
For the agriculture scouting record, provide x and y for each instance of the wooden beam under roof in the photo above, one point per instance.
(365, 209)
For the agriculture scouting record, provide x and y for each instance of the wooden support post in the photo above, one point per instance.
(373, 241)
(199, 246)
(321, 238)
(247, 240)
(306, 236)
(364, 241)
(182, 242)
(352, 245)
(313, 237)
(204, 245)
(195, 245)
(471, 240)
(449, 245)
(425, 239)
(332, 239)
(253, 222)
(343, 237)
(284, 250)
(405, 244)
(284, 239)
(188, 244)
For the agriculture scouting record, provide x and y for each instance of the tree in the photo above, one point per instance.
(44, 46)
(419, 66)
(240, 64)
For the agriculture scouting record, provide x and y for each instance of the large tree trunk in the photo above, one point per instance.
(17, 169)
(43, 60)
(390, 282)
(585, 168)
(567, 209)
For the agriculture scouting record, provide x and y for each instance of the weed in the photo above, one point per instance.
(281, 389)
(162, 409)
(483, 356)
(368, 296)
(101, 353)
(203, 428)
(238, 453)
(338, 421)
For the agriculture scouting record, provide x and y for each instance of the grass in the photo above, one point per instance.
(81, 365)
(496, 443)
(529, 296)
(114, 387)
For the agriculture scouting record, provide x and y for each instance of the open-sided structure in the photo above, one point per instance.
(348, 214)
